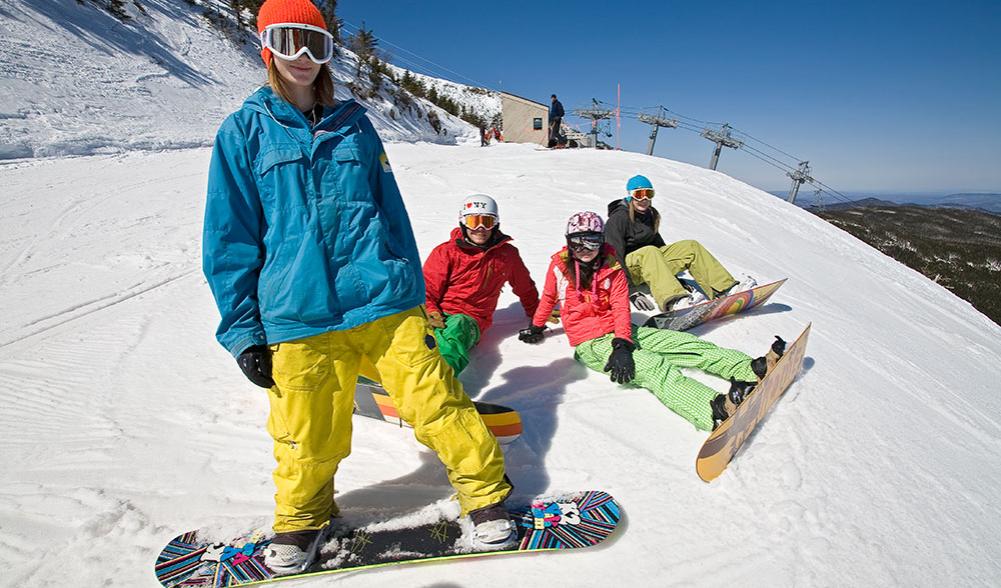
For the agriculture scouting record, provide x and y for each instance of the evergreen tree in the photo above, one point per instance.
(329, 10)
(363, 43)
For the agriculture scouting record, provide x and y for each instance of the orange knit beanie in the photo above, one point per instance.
(282, 11)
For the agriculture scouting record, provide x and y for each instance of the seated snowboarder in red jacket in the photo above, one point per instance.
(588, 283)
(464, 276)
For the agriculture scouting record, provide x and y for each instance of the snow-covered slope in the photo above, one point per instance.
(75, 80)
(124, 422)
(481, 101)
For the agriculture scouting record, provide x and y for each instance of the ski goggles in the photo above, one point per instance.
(290, 40)
(475, 221)
(586, 242)
(642, 193)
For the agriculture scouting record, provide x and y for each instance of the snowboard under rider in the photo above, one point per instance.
(313, 264)
(633, 231)
(463, 278)
(588, 283)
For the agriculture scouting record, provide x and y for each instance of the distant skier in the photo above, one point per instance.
(633, 232)
(588, 283)
(464, 276)
(313, 264)
(555, 120)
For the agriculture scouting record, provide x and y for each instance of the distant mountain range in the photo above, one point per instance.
(985, 201)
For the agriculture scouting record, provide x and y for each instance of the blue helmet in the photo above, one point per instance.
(635, 183)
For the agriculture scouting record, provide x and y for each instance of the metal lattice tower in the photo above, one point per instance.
(818, 200)
(596, 114)
(657, 122)
(722, 139)
(800, 175)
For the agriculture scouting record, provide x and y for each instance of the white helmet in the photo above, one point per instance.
(478, 204)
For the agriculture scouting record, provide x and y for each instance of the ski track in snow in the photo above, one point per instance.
(125, 423)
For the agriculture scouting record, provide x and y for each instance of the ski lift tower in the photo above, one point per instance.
(722, 139)
(799, 175)
(657, 122)
(596, 114)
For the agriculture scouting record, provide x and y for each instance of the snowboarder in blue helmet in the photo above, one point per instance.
(633, 230)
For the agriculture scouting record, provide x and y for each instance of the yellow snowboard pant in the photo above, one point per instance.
(659, 268)
(313, 398)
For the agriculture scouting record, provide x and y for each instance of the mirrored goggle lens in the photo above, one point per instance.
(642, 193)
(289, 43)
(475, 221)
(589, 243)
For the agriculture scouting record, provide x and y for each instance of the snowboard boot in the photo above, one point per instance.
(764, 364)
(493, 529)
(293, 552)
(686, 301)
(745, 283)
(724, 405)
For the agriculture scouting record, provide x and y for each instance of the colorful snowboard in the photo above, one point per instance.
(724, 442)
(686, 318)
(569, 521)
(373, 401)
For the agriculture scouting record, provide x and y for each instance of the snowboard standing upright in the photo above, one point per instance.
(568, 521)
(710, 310)
(724, 442)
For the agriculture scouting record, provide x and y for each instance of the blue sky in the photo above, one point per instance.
(882, 96)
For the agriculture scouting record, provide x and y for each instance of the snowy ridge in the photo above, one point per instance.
(481, 101)
(74, 80)
(125, 423)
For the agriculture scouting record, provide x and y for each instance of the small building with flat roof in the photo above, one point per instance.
(524, 120)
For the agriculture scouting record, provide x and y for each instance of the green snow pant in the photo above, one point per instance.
(660, 354)
(460, 334)
(659, 267)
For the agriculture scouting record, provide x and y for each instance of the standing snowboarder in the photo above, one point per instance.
(588, 283)
(555, 120)
(310, 255)
(464, 276)
(633, 231)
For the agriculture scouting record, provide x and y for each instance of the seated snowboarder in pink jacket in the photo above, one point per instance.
(588, 283)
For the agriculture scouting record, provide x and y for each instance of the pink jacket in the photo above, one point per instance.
(601, 309)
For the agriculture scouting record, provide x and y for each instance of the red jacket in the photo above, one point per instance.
(596, 311)
(462, 278)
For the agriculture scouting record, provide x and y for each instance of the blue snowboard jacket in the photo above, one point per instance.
(305, 229)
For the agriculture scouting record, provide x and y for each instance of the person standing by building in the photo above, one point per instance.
(555, 120)
(312, 261)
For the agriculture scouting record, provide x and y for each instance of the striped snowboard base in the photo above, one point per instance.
(373, 401)
(567, 521)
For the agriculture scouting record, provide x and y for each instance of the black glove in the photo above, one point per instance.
(532, 334)
(620, 363)
(256, 365)
(641, 301)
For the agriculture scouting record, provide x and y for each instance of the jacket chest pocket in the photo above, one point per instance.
(347, 173)
(281, 174)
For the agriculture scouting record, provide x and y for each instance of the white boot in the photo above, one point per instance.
(293, 552)
(493, 529)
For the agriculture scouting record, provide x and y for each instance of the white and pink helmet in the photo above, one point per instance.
(585, 222)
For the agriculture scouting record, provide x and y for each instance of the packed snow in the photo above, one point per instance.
(124, 423)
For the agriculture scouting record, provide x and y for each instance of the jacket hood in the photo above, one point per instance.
(615, 205)
(265, 101)
(621, 204)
